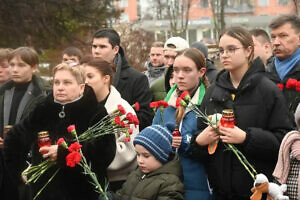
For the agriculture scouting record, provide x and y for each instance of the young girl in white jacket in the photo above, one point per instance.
(99, 75)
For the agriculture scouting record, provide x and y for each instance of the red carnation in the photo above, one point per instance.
(291, 83)
(135, 120)
(73, 158)
(136, 106)
(130, 130)
(121, 109)
(129, 117)
(153, 104)
(179, 99)
(280, 86)
(71, 128)
(298, 86)
(163, 103)
(75, 147)
(117, 120)
(185, 95)
(122, 124)
(127, 139)
(60, 141)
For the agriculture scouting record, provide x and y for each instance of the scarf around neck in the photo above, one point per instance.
(283, 67)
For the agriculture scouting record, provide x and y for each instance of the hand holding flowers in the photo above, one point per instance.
(49, 152)
(211, 134)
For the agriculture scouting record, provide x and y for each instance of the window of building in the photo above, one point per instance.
(263, 3)
(204, 3)
(123, 3)
(283, 2)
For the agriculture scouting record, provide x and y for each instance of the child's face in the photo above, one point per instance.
(146, 161)
(20, 71)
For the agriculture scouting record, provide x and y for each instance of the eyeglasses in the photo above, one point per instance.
(229, 51)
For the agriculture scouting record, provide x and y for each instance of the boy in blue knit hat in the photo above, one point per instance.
(159, 175)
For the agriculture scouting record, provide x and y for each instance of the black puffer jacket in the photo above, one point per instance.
(133, 87)
(260, 111)
(69, 183)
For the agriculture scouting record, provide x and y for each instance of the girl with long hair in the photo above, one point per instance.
(189, 73)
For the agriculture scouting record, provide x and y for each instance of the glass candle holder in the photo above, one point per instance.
(227, 119)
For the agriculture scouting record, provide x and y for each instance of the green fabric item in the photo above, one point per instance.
(167, 98)
(200, 98)
(201, 93)
(158, 89)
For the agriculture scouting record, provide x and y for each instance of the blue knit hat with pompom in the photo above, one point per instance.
(157, 140)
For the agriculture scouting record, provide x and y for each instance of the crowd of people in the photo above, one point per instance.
(259, 82)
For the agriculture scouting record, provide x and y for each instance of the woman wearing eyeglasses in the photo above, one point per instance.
(260, 113)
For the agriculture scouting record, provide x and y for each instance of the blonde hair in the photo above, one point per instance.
(78, 71)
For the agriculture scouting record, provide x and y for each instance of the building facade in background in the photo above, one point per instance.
(248, 13)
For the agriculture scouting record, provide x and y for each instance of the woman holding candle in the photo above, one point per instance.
(189, 73)
(70, 103)
(261, 118)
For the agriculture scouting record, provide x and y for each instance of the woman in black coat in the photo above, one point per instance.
(71, 103)
(261, 118)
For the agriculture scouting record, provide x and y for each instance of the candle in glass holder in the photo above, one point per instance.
(6, 129)
(176, 132)
(44, 139)
(227, 119)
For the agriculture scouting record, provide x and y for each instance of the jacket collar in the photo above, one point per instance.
(171, 167)
(195, 99)
(113, 98)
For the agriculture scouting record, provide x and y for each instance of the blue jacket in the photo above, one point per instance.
(195, 179)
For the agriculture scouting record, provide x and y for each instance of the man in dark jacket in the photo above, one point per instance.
(132, 84)
(17, 98)
(285, 39)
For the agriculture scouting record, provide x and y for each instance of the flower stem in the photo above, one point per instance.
(39, 192)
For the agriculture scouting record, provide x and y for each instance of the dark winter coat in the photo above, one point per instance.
(35, 92)
(291, 95)
(133, 87)
(69, 183)
(161, 184)
(261, 112)
(211, 70)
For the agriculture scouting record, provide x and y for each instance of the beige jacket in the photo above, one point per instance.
(125, 159)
